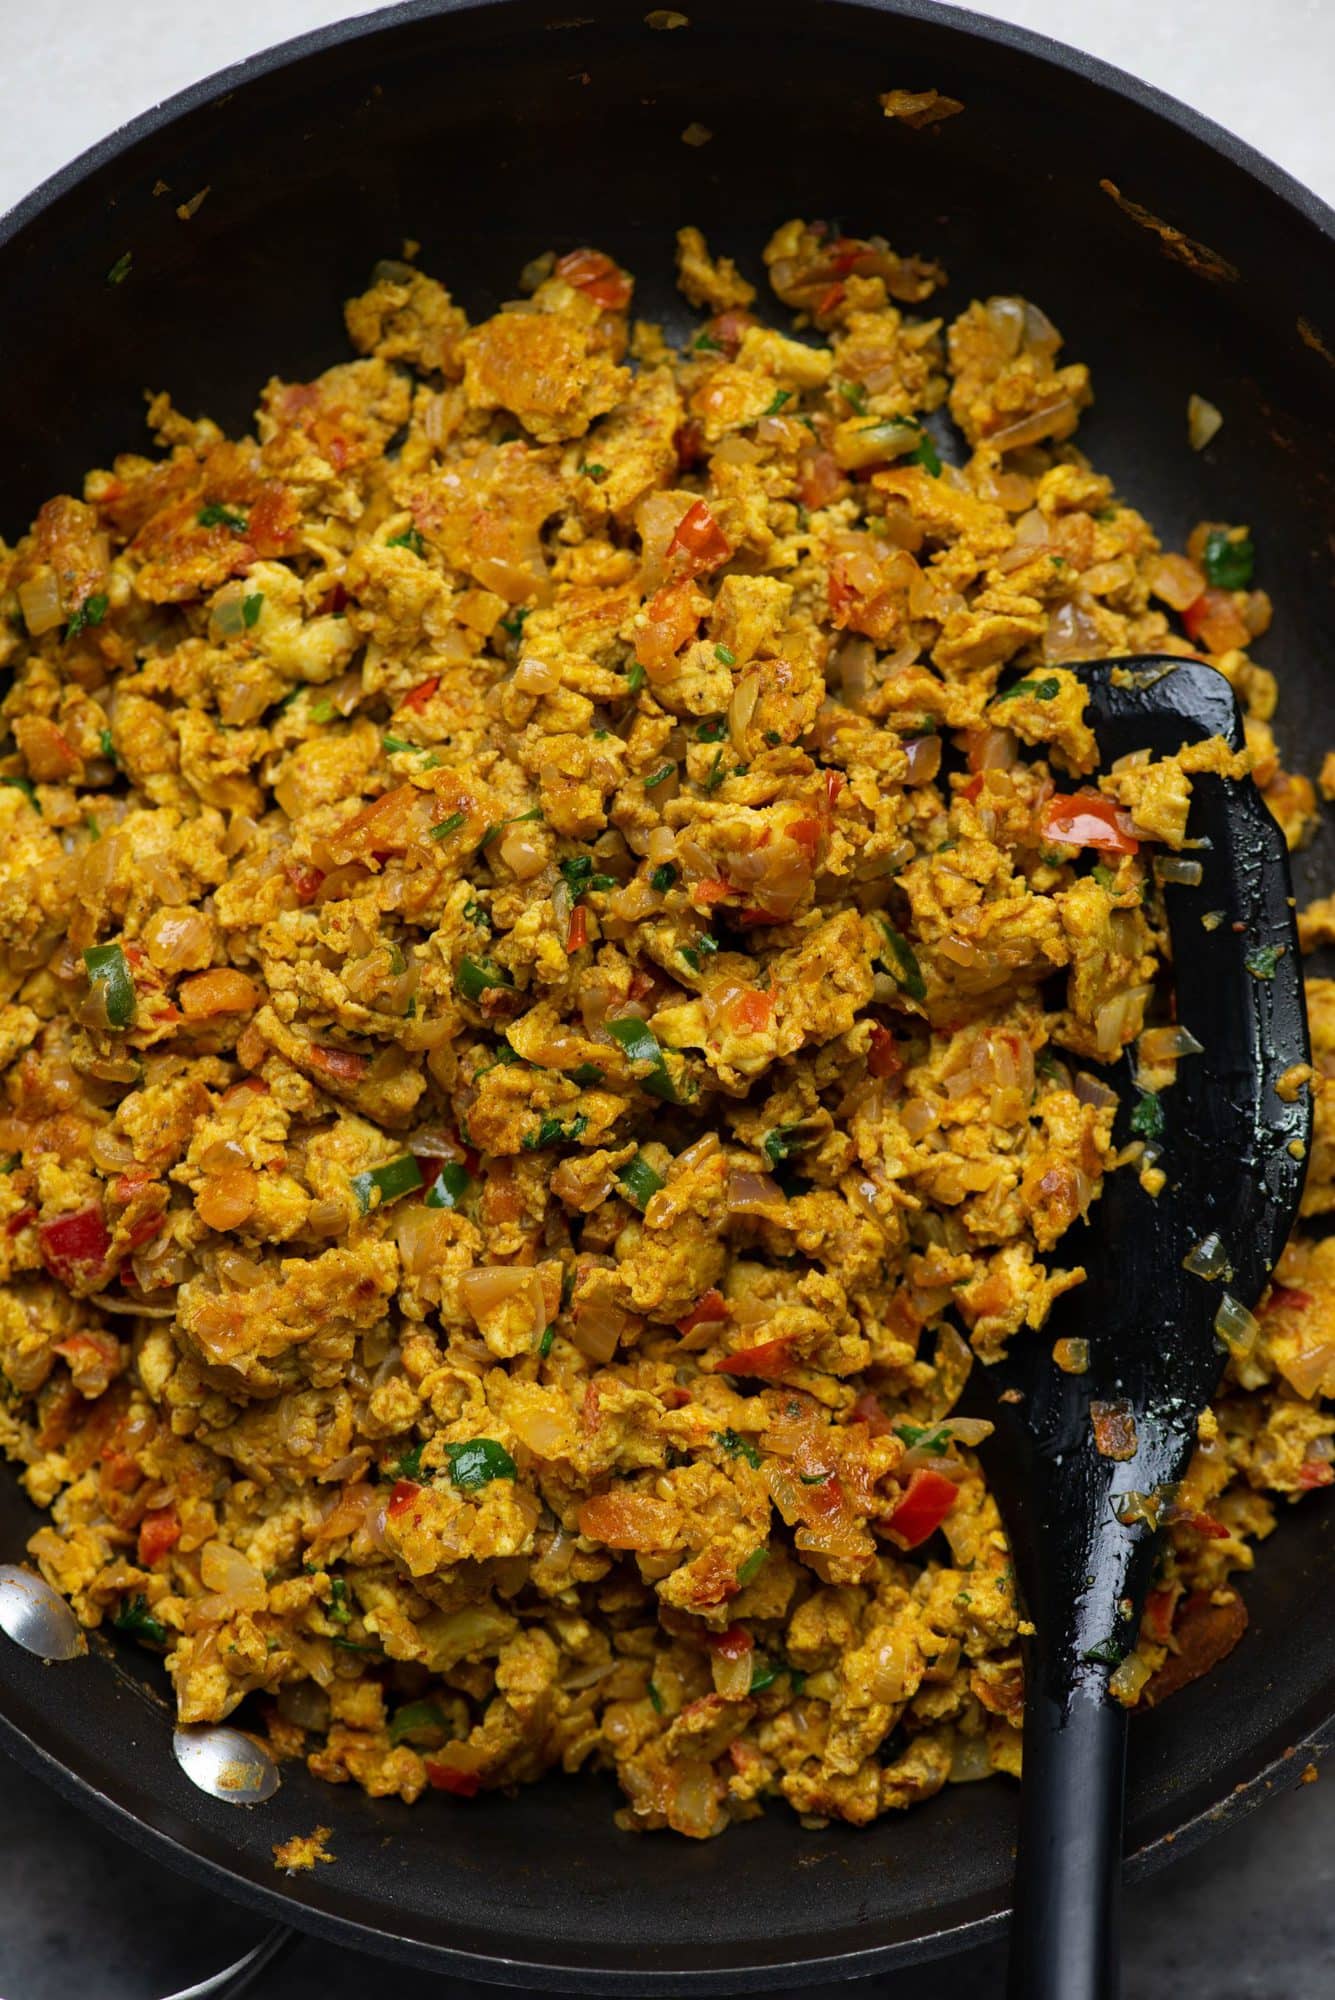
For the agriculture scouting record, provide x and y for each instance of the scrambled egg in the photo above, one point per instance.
(559, 924)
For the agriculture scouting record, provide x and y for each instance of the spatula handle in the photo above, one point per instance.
(1065, 1930)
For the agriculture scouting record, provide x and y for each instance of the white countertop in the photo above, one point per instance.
(85, 66)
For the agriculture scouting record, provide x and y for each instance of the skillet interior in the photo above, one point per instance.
(489, 132)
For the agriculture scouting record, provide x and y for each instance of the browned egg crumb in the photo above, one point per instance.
(303, 1850)
(554, 975)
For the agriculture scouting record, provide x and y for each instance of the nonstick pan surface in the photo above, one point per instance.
(1174, 260)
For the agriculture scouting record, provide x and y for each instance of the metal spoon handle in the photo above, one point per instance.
(1065, 1929)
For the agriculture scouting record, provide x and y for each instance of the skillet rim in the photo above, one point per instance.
(274, 1902)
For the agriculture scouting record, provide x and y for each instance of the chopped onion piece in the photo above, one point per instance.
(1235, 1325)
(1203, 421)
(1178, 868)
(753, 1194)
(1208, 1258)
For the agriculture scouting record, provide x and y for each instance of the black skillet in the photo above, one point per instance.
(489, 131)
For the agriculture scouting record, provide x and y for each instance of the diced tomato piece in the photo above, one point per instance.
(728, 327)
(594, 274)
(1214, 619)
(446, 1778)
(1159, 1614)
(1207, 1527)
(883, 1058)
(74, 1245)
(404, 1493)
(1283, 1299)
(577, 935)
(306, 881)
(712, 1306)
(688, 441)
(834, 784)
(143, 1231)
(699, 535)
(750, 1011)
(828, 300)
(843, 254)
(674, 613)
(19, 1221)
(818, 477)
(1087, 819)
(806, 834)
(223, 990)
(732, 1644)
(1315, 1472)
(419, 696)
(716, 890)
(343, 1065)
(928, 1498)
(159, 1532)
(867, 1410)
(769, 1359)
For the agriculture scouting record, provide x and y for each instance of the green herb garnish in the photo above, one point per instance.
(1261, 961)
(738, 1447)
(781, 396)
(1229, 565)
(24, 785)
(594, 472)
(136, 1619)
(660, 776)
(925, 453)
(91, 612)
(635, 677)
(853, 394)
(726, 658)
(216, 515)
(118, 273)
(783, 1141)
(476, 976)
(662, 878)
(903, 966)
(1041, 690)
(250, 608)
(751, 1568)
(545, 1343)
(1147, 1120)
(410, 539)
(551, 1132)
(448, 826)
(477, 1463)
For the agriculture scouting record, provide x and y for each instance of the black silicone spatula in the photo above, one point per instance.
(1232, 1149)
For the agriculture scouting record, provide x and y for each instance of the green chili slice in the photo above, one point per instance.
(109, 976)
(396, 1177)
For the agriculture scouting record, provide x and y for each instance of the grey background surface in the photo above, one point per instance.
(1249, 1917)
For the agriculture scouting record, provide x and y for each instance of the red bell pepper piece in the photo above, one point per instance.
(445, 1778)
(577, 935)
(928, 1498)
(419, 696)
